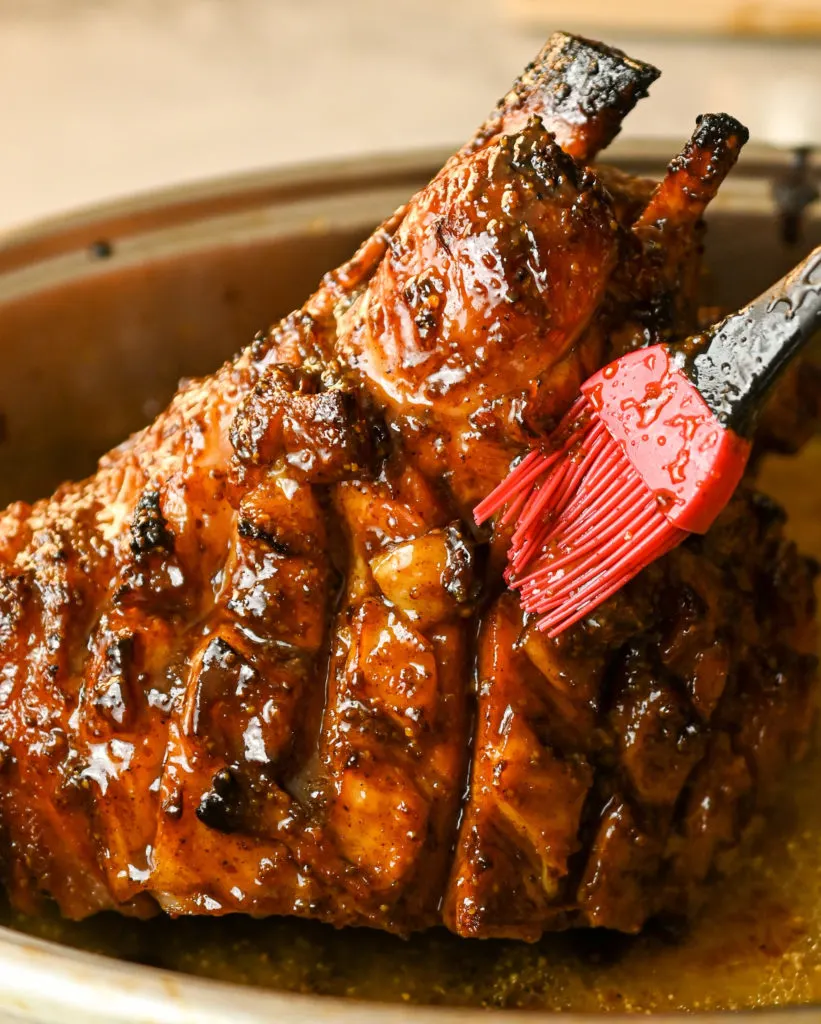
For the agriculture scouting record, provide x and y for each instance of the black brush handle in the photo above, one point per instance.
(745, 353)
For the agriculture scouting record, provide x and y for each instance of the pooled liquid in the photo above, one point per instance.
(757, 942)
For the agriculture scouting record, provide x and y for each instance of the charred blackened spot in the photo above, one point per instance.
(533, 152)
(149, 529)
(320, 435)
(425, 296)
(458, 576)
(586, 82)
(219, 807)
(112, 697)
(717, 134)
(248, 529)
(257, 429)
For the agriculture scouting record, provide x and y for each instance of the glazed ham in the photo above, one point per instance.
(262, 662)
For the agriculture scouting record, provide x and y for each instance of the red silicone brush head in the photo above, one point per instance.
(608, 527)
(637, 463)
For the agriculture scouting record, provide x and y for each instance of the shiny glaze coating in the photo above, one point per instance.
(259, 663)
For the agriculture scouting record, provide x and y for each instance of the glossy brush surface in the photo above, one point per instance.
(644, 456)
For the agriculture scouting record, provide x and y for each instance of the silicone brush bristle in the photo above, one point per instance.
(649, 453)
(515, 489)
(587, 522)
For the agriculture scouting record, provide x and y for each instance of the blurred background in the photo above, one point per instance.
(101, 98)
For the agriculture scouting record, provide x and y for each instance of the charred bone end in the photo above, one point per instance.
(581, 89)
(590, 79)
(713, 148)
(695, 175)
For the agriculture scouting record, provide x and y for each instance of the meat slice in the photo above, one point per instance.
(655, 716)
(261, 662)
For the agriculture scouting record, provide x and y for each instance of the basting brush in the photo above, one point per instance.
(650, 452)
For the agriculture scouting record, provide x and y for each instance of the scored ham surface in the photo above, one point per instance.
(261, 662)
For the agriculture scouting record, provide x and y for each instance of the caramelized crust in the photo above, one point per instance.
(613, 764)
(262, 663)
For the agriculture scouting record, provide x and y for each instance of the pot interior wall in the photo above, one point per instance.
(91, 359)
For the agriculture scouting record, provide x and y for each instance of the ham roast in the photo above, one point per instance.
(262, 662)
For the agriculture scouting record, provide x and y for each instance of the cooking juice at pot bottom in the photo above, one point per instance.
(757, 943)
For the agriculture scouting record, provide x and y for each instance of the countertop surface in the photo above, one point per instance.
(102, 99)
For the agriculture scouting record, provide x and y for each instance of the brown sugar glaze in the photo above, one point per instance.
(519, 896)
(756, 943)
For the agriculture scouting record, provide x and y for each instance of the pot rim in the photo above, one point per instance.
(86, 987)
(186, 201)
